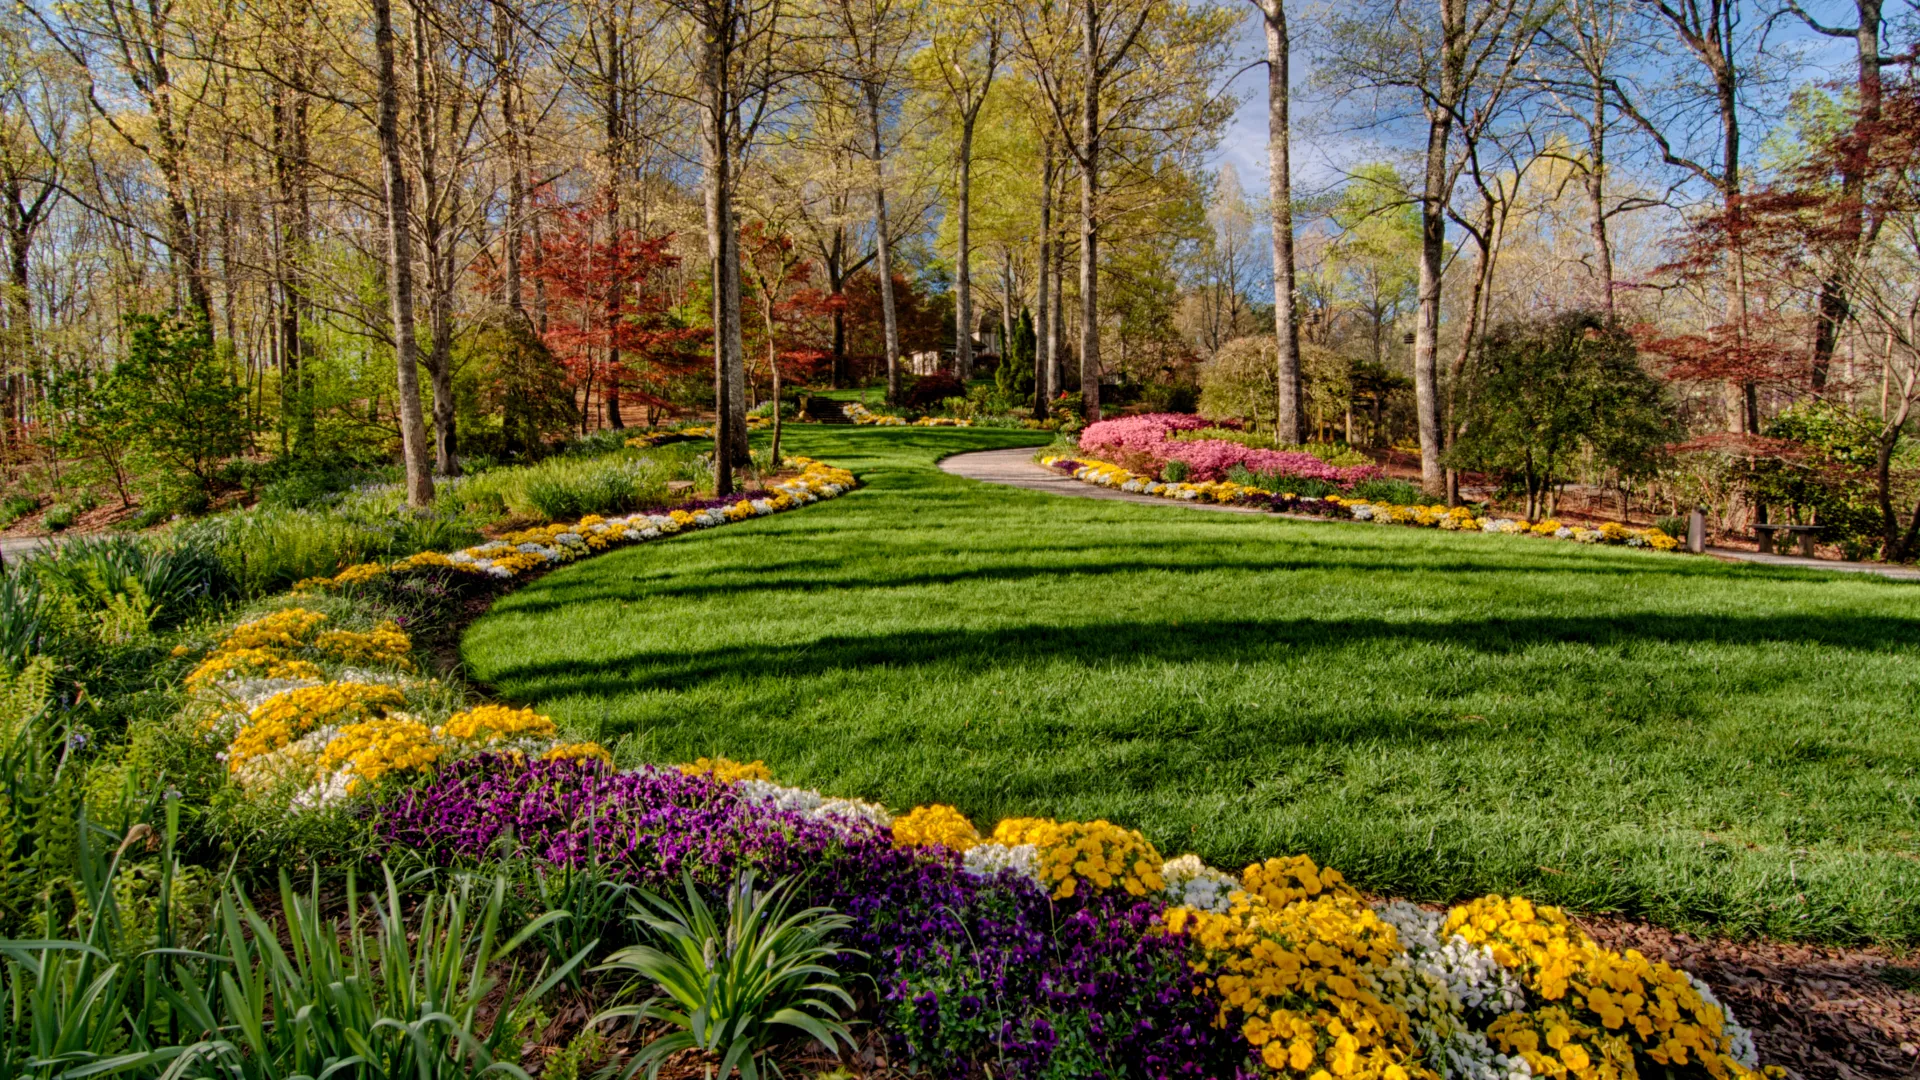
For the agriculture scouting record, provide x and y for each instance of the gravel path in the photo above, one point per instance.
(1016, 468)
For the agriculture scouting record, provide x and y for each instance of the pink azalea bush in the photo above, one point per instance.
(1151, 435)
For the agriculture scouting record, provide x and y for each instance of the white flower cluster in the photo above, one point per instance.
(1194, 884)
(1365, 512)
(1472, 979)
(1739, 1039)
(1466, 1055)
(1438, 983)
(986, 860)
(1122, 480)
(810, 803)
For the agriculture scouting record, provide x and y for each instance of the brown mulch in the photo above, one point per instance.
(1824, 1013)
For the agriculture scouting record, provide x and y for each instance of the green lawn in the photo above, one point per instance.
(1435, 714)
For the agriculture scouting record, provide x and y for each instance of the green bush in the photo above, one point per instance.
(567, 487)
(1307, 487)
(266, 549)
(1175, 471)
(15, 507)
(393, 991)
(59, 516)
(1398, 492)
(167, 580)
(1673, 526)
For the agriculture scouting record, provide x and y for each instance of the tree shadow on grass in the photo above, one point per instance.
(1249, 640)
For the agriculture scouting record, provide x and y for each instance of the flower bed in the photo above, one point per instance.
(1074, 949)
(1455, 519)
(549, 545)
(1038, 948)
(1150, 436)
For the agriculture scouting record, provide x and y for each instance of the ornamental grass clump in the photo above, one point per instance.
(734, 988)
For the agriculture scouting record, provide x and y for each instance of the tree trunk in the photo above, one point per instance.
(616, 164)
(1289, 412)
(1834, 307)
(1057, 328)
(511, 437)
(833, 260)
(1596, 185)
(963, 272)
(1046, 352)
(438, 260)
(883, 247)
(723, 254)
(413, 432)
(1433, 236)
(1090, 221)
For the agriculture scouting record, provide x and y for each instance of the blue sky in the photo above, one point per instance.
(1320, 157)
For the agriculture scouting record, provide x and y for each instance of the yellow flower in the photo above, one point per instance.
(376, 747)
(1076, 855)
(489, 724)
(935, 824)
(579, 751)
(286, 716)
(727, 770)
(386, 645)
(1297, 981)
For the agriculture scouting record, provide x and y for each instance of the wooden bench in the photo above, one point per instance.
(1805, 533)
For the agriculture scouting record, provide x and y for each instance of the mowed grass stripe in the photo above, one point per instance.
(1731, 748)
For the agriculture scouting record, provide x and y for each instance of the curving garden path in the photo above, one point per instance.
(1016, 468)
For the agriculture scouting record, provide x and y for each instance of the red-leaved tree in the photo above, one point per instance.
(609, 294)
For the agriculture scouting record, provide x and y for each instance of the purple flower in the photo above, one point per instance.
(970, 971)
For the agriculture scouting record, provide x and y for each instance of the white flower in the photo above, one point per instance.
(1740, 1040)
(1466, 1055)
(1194, 884)
(986, 860)
(1470, 977)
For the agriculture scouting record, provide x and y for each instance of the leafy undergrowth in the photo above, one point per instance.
(1714, 748)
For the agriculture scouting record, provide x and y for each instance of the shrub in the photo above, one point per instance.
(1306, 487)
(1239, 382)
(1175, 472)
(1148, 442)
(929, 390)
(170, 580)
(59, 516)
(15, 507)
(265, 549)
(1675, 527)
(1397, 492)
(297, 484)
(398, 991)
(568, 487)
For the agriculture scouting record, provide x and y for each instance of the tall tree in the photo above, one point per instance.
(872, 40)
(1290, 413)
(397, 205)
(1442, 56)
(1139, 71)
(962, 55)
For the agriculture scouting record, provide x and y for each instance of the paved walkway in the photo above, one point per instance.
(12, 547)
(1897, 573)
(1016, 468)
